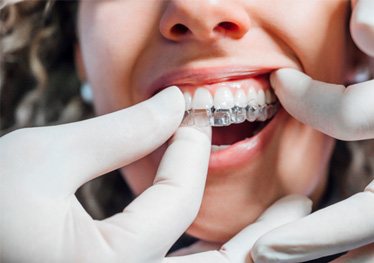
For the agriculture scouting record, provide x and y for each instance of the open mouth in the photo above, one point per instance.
(237, 102)
(236, 109)
(224, 137)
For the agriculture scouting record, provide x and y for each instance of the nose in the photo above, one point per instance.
(204, 20)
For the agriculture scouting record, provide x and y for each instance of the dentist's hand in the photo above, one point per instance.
(346, 113)
(41, 168)
(236, 250)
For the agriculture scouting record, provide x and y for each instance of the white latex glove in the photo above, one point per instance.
(346, 113)
(236, 250)
(41, 168)
(362, 25)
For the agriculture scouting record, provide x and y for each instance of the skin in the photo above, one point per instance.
(126, 45)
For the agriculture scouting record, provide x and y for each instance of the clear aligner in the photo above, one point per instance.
(224, 117)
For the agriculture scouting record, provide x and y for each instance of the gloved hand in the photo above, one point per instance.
(346, 113)
(41, 168)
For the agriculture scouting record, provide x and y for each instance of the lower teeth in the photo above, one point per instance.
(225, 117)
(216, 148)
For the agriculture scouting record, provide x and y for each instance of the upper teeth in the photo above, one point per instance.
(228, 106)
(202, 99)
(223, 99)
(188, 100)
(240, 98)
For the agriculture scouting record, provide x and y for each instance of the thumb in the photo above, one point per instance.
(343, 113)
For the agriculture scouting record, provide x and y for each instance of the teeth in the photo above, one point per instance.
(202, 99)
(223, 102)
(188, 100)
(261, 98)
(239, 114)
(223, 99)
(262, 114)
(240, 99)
(229, 106)
(252, 113)
(252, 96)
(202, 104)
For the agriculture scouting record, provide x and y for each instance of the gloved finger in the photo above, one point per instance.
(283, 211)
(343, 226)
(362, 25)
(235, 250)
(343, 113)
(360, 255)
(78, 152)
(154, 221)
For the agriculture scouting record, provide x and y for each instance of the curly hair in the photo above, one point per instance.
(39, 86)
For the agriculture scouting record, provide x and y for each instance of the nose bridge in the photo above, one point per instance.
(203, 19)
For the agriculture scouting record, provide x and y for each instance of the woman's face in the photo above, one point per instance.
(132, 49)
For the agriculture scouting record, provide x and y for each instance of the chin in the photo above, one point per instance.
(293, 160)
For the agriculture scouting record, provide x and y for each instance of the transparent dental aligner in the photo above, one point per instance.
(228, 104)
(225, 117)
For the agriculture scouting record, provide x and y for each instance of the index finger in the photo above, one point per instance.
(66, 156)
(157, 218)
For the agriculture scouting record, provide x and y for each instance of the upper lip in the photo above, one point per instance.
(204, 76)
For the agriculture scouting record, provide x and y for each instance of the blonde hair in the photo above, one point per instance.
(39, 86)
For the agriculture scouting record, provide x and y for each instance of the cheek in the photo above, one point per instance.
(110, 59)
(303, 159)
(318, 38)
(326, 58)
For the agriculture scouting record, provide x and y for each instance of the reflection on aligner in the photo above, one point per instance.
(225, 117)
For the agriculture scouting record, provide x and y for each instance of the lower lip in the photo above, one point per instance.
(244, 151)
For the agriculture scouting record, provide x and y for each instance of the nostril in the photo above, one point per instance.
(230, 29)
(228, 26)
(179, 29)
